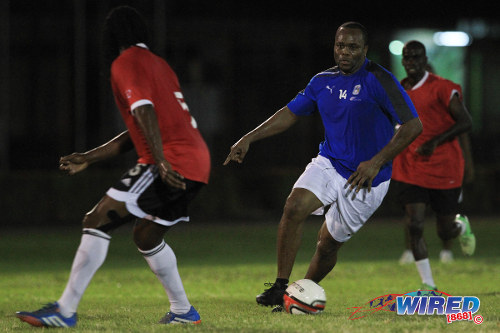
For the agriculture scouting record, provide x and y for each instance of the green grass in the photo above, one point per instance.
(224, 266)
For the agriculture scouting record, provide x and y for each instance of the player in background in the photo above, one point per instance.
(173, 165)
(446, 254)
(359, 103)
(430, 170)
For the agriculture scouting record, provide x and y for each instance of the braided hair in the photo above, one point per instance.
(124, 27)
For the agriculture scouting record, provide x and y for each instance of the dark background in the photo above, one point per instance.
(238, 62)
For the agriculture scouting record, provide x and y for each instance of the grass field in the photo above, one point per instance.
(224, 266)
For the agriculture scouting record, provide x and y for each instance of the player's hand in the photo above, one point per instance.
(169, 176)
(427, 149)
(73, 163)
(238, 151)
(362, 177)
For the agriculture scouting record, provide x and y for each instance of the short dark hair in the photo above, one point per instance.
(415, 44)
(124, 27)
(356, 25)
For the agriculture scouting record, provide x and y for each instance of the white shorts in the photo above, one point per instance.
(345, 215)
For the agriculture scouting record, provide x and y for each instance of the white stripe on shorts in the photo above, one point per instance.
(145, 180)
(130, 197)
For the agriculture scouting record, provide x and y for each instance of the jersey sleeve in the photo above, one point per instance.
(393, 97)
(446, 90)
(304, 103)
(130, 83)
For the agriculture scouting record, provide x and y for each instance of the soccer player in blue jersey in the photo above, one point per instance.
(359, 103)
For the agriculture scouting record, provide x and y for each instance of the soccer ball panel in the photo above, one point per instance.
(304, 297)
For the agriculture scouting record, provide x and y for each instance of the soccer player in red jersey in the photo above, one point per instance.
(431, 169)
(173, 165)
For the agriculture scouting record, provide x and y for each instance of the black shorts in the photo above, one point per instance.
(147, 196)
(443, 202)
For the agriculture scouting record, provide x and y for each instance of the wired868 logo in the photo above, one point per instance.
(454, 307)
(424, 302)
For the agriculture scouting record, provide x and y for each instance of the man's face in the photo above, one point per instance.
(414, 61)
(350, 50)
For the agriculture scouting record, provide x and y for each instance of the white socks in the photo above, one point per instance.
(424, 269)
(163, 263)
(89, 257)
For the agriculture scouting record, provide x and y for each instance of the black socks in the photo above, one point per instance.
(281, 283)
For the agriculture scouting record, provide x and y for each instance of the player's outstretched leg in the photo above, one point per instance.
(48, 316)
(466, 238)
(299, 205)
(325, 256)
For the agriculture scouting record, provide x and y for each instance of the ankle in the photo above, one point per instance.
(281, 283)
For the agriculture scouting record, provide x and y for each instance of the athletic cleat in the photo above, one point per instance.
(48, 316)
(271, 296)
(467, 238)
(406, 258)
(446, 256)
(192, 317)
(426, 286)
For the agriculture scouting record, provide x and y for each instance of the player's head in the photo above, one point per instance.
(414, 59)
(351, 45)
(124, 27)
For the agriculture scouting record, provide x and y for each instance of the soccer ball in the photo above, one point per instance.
(304, 297)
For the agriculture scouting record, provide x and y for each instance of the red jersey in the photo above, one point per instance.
(444, 169)
(140, 77)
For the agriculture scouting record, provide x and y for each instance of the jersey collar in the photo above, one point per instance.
(144, 46)
(421, 82)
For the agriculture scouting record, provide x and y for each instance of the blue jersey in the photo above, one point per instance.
(359, 112)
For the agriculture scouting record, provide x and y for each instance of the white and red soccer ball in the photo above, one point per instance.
(304, 297)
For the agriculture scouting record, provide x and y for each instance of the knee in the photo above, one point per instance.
(327, 248)
(96, 219)
(324, 250)
(295, 208)
(416, 229)
(91, 220)
(142, 241)
(145, 238)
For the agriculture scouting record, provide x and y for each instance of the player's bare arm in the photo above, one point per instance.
(77, 162)
(463, 123)
(465, 144)
(367, 170)
(148, 123)
(277, 123)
